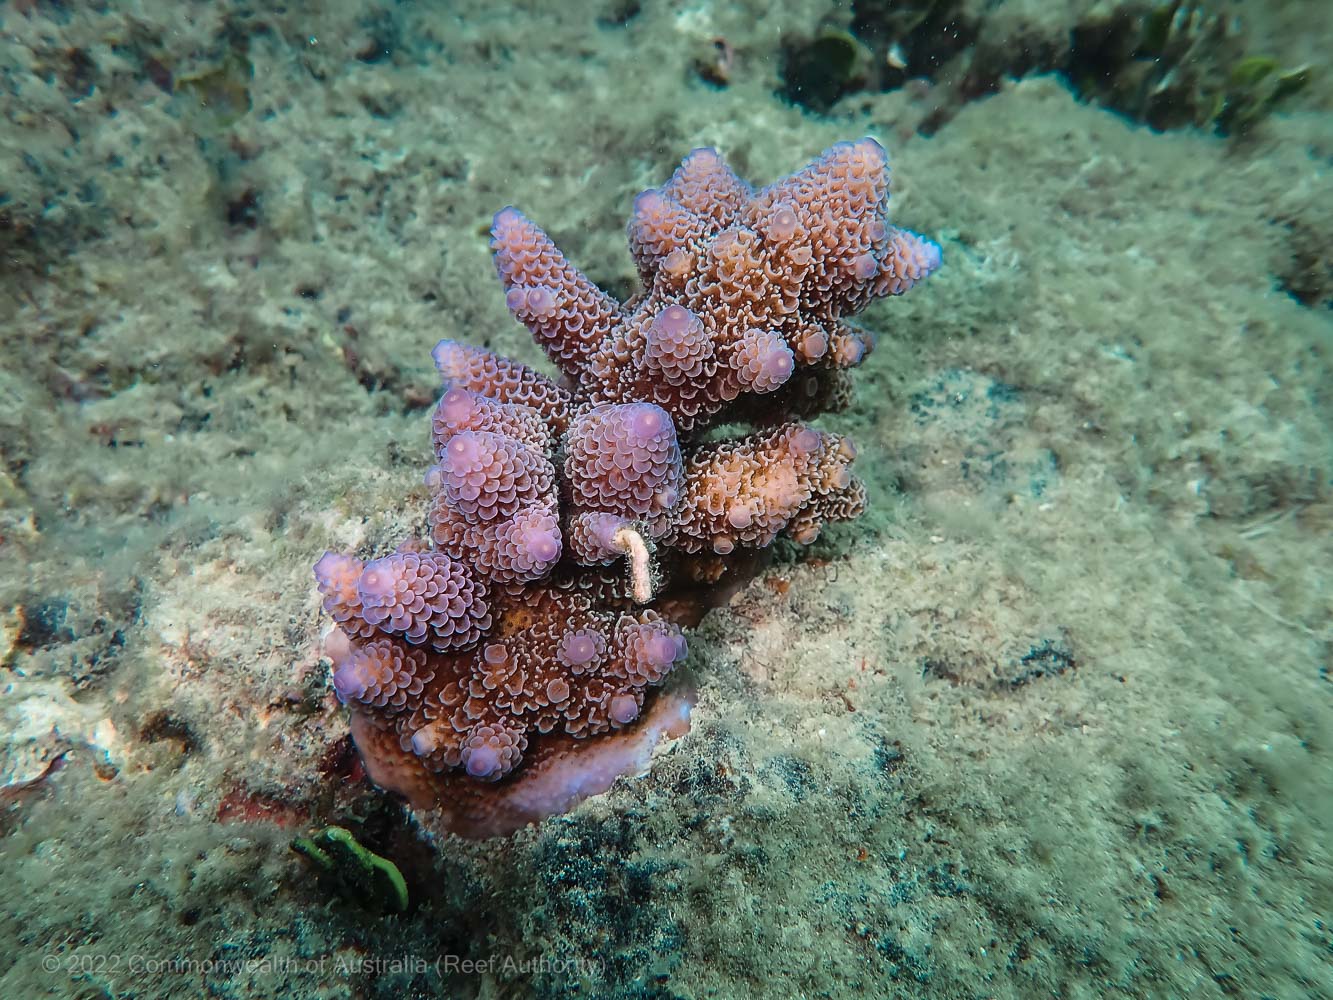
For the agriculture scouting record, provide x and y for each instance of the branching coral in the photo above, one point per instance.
(480, 664)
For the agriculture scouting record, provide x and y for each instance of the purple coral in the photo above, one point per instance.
(581, 649)
(625, 708)
(592, 537)
(382, 674)
(336, 575)
(478, 370)
(528, 545)
(424, 597)
(624, 458)
(782, 224)
(492, 751)
(648, 650)
(461, 410)
(499, 673)
(677, 345)
(566, 313)
(660, 232)
(762, 360)
(485, 475)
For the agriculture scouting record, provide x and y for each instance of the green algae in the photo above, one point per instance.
(1257, 85)
(359, 874)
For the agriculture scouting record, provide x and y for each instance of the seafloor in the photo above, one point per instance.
(1053, 719)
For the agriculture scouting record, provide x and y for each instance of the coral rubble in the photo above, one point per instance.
(503, 667)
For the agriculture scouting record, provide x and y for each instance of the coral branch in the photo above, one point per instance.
(566, 313)
(498, 671)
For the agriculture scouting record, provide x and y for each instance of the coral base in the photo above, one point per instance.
(559, 772)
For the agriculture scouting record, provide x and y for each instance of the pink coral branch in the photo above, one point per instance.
(498, 671)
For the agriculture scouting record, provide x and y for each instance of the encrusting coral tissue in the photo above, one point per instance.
(509, 662)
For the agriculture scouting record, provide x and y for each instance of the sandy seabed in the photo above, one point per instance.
(1052, 719)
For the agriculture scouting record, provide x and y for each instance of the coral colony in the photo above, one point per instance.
(506, 665)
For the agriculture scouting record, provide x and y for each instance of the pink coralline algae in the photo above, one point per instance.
(512, 661)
